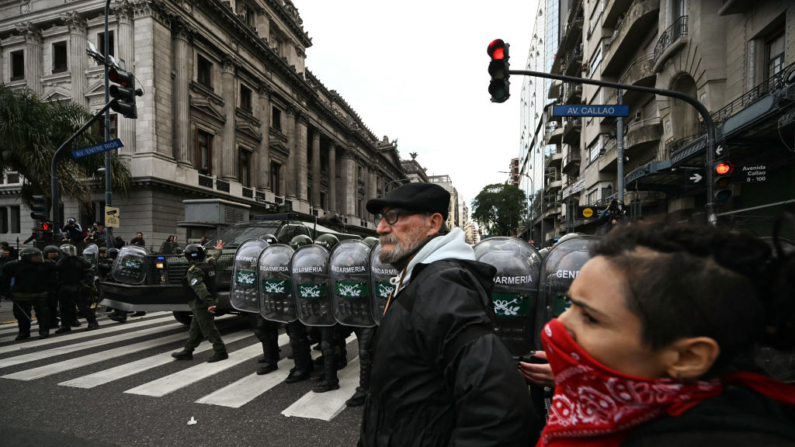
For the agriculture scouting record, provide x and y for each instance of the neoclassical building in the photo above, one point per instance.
(226, 94)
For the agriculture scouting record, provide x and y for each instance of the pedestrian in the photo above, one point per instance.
(138, 240)
(12, 252)
(168, 246)
(34, 236)
(615, 214)
(198, 283)
(653, 350)
(440, 374)
(72, 233)
(204, 170)
(52, 254)
(30, 290)
(73, 273)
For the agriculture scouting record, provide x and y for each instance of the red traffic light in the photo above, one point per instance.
(46, 226)
(496, 49)
(125, 79)
(724, 168)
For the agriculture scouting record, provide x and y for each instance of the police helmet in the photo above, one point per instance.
(103, 250)
(370, 241)
(269, 238)
(29, 253)
(194, 253)
(70, 220)
(69, 250)
(51, 249)
(299, 241)
(112, 253)
(327, 241)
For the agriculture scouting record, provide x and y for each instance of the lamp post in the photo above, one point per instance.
(529, 199)
(395, 181)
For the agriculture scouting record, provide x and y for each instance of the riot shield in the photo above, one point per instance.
(309, 271)
(349, 263)
(91, 254)
(130, 266)
(276, 302)
(380, 286)
(515, 291)
(561, 265)
(243, 293)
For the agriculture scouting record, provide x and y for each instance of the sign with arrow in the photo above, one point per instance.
(719, 150)
(694, 178)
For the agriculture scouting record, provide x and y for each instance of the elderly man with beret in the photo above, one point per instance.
(440, 374)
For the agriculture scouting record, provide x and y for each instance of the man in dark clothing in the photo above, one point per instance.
(138, 240)
(440, 374)
(73, 272)
(30, 290)
(71, 233)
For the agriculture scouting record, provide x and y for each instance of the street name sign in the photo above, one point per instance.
(590, 110)
(97, 148)
(750, 174)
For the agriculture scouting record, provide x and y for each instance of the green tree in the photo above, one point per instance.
(499, 209)
(30, 133)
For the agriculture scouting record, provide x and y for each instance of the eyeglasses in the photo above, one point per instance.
(391, 217)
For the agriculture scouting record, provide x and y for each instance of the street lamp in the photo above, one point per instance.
(395, 181)
(529, 199)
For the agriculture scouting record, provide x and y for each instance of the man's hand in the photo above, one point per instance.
(538, 374)
(211, 309)
(219, 245)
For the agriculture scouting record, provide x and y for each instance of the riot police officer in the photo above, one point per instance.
(52, 254)
(104, 264)
(299, 339)
(29, 292)
(73, 273)
(199, 283)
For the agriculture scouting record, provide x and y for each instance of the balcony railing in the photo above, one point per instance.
(674, 32)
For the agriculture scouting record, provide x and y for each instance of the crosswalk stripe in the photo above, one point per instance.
(84, 334)
(34, 327)
(325, 406)
(176, 381)
(32, 357)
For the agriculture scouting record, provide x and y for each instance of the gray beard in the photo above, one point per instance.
(396, 254)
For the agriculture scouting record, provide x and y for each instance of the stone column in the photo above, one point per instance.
(228, 146)
(316, 170)
(302, 173)
(33, 62)
(290, 178)
(348, 177)
(77, 55)
(125, 38)
(264, 156)
(373, 191)
(332, 177)
(263, 24)
(182, 56)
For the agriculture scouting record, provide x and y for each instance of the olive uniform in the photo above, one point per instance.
(30, 292)
(53, 285)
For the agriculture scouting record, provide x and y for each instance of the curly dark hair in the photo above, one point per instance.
(690, 281)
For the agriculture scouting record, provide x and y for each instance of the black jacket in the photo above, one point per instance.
(440, 374)
(740, 417)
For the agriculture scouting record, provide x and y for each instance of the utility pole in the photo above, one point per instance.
(620, 150)
(108, 155)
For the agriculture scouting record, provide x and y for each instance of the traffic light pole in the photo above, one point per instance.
(108, 155)
(712, 217)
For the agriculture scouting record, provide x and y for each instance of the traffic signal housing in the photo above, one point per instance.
(124, 91)
(39, 208)
(499, 87)
(722, 182)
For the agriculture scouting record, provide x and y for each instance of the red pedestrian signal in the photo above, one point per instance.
(499, 67)
(724, 168)
(46, 226)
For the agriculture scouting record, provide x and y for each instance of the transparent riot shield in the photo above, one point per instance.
(561, 265)
(349, 263)
(130, 266)
(276, 302)
(381, 287)
(91, 254)
(309, 271)
(243, 287)
(515, 291)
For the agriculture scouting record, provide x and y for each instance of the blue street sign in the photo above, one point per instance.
(590, 110)
(98, 148)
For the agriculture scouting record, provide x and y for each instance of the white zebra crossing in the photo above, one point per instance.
(325, 406)
(34, 327)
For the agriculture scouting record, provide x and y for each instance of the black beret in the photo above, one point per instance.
(423, 197)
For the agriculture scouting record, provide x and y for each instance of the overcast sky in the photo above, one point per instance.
(417, 71)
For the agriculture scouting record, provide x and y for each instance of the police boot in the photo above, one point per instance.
(303, 362)
(185, 354)
(217, 357)
(22, 336)
(43, 335)
(330, 381)
(76, 323)
(63, 329)
(92, 325)
(269, 363)
(342, 354)
(360, 395)
(118, 315)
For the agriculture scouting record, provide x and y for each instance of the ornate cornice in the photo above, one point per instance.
(264, 90)
(156, 9)
(76, 23)
(287, 11)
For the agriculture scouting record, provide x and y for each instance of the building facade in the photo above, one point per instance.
(226, 91)
(453, 217)
(413, 170)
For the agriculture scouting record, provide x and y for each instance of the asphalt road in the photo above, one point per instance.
(115, 387)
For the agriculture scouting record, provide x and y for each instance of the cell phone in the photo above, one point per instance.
(529, 358)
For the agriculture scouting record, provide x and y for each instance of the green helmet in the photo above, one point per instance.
(194, 253)
(299, 241)
(370, 241)
(28, 253)
(51, 249)
(69, 250)
(328, 241)
(113, 253)
(103, 250)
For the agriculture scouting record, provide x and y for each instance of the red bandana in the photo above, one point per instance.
(595, 404)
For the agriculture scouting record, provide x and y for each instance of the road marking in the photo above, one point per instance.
(129, 369)
(35, 326)
(325, 406)
(176, 381)
(75, 335)
(32, 357)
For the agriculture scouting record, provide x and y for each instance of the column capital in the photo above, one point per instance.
(152, 8)
(182, 30)
(332, 145)
(76, 23)
(349, 155)
(228, 64)
(316, 135)
(302, 117)
(30, 32)
(290, 110)
(123, 10)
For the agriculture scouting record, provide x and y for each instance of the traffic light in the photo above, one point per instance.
(722, 181)
(39, 207)
(125, 92)
(499, 87)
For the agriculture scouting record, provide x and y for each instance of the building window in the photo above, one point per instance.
(245, 98)
(323, 162)
(14, 219)
(244, 167)
(594, 149)
(276, 118)
(275, 177)
(203, 159)
(251, 16)
(101, 43)
(59, 59)
(593, 65)
(18, 65)
(775, 55)
(593, 197)
(323, 203)
(204, 72)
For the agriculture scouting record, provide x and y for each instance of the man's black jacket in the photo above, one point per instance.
(440, 374)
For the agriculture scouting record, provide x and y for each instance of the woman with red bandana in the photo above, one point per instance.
(653, 351)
